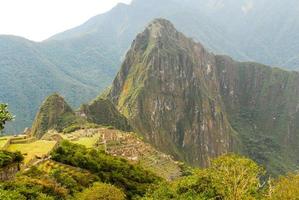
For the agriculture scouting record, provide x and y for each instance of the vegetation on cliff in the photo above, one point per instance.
(54, 113)
(169, 94)
(102, 111)
(196, 106)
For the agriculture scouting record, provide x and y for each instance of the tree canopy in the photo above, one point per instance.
(5, 115)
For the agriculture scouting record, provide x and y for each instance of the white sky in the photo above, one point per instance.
(39, 19)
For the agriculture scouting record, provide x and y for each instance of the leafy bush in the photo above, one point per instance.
(101, 191)
(285, 188)
(7, 158)
(229, 177)
(4, 115)
(236, 177)
(11, 195)
(35, 188)
(65, 180)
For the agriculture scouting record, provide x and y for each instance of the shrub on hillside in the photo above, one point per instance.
(228, 177)
(7, 158)
(133, 179)
(101, 191)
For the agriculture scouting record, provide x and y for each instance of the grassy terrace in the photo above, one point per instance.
(3, 141)
(88, 142)
(30, 150)
(80, 137)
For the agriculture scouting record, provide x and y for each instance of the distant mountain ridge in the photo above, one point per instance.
(81, 62)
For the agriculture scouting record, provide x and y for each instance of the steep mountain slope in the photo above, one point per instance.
(102, 111)
(56, 114)
(28, 76)
(263, 107)
(168, 91)
(195, 105)
(87, 57)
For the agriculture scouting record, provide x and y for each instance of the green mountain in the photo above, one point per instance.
(159, 88)
(55, 113)
(196, 105)
(83, 61)
(28, 76)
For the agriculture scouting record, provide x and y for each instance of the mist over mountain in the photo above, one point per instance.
(81, 62)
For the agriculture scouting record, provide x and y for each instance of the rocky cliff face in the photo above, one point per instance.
(195, 105)
(263, 107)
(168, 88)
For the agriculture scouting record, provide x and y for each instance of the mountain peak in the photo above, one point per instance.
(161, 23)
(163, 83)
(160, 27)
(54, 113)
(162, 34)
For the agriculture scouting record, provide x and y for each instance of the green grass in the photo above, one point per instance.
(37, 148)
(3, 141)
(88, 142)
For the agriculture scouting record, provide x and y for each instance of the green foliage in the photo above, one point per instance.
(11, 195)
(35, 188)
(285, 187)
(101, 191)
(69, 179)
(236, 177)
(5, 115)
(131, 178)
(230, 177)
(65, 180)
(7, 158)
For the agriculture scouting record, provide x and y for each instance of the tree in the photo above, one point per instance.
(230, 177)
(285, 187)
(101, 191)
(236, 177)
(4, 115)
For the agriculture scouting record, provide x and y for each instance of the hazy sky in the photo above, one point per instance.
(40, 19)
